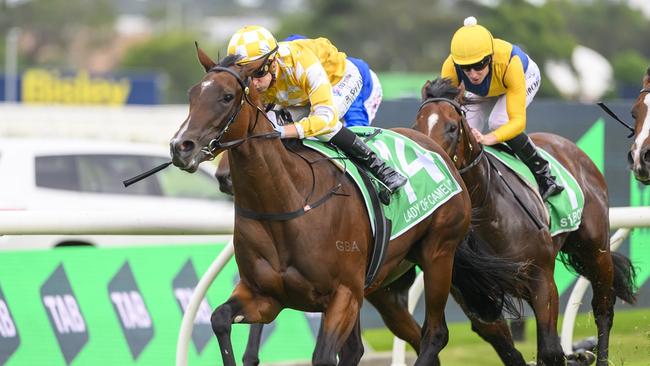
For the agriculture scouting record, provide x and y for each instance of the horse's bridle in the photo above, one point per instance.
(215, 143)
(613, 115)
(461, 130)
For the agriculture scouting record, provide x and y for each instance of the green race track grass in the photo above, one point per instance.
(629, 341)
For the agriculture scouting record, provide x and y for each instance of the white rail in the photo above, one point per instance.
(161, 222)
(122, 222)
(623, 218)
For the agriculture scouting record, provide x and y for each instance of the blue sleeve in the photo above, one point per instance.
(357, 115)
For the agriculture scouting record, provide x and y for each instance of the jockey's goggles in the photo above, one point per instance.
(266, 66)
(477, 66)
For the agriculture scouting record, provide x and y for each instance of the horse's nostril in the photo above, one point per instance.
(646, 156)
(186, 146)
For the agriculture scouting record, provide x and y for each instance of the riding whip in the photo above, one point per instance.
(140, 177)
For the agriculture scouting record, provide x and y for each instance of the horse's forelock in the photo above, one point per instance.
(441, 88)
(230, 60)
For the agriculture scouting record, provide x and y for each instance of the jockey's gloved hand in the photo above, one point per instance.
(272, 117)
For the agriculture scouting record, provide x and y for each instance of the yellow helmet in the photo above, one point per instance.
(251, 43)
(471, 43)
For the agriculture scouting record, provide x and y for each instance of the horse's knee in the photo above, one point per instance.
(221, 319)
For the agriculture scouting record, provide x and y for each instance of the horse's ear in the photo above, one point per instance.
(424, 89)
(646, 79)
(204, 59)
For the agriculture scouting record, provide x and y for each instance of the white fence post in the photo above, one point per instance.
(185, 334)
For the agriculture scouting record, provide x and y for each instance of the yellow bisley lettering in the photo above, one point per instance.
(42, 86)
(36, 86)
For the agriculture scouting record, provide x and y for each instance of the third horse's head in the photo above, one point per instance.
(639, 155)
(441, 117)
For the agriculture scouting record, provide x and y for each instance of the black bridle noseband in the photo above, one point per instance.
(461, 130)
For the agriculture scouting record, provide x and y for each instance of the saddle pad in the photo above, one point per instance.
(565, 208)
(430, 182)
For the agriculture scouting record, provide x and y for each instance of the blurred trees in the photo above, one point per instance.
(173, 55)
(414, 36)
(393, 36)
(51, 28)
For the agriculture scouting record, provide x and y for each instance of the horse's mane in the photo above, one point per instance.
(441, 88)
(229, 60)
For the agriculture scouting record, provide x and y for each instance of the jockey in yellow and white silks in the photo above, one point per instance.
(312, 75)
(507, 79)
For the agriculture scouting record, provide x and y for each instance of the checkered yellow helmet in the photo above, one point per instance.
(471, 43)
(251, 43)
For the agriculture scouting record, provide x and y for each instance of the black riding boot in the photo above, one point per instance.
(357, 149)
(524, 148)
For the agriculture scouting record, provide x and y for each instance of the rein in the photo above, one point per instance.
(613, 115)
(215, 145)
(480, 157)
(461, 113)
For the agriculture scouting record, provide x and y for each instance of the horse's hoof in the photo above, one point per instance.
(581, 358)
(587, 344)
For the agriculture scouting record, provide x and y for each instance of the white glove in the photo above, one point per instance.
(271, 116)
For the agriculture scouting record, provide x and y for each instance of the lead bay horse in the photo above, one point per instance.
(478, 279)
(294, 263)
(503, 224)
(639, 156)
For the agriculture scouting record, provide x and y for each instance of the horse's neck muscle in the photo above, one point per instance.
(265, 177)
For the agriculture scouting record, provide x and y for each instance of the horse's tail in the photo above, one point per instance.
(489, 285)
(624, 278)
(624, 274)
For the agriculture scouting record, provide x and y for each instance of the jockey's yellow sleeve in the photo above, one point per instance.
(307, 69)
(506, 76)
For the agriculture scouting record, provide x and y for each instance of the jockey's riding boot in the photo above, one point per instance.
(358, 150)
(524, 148)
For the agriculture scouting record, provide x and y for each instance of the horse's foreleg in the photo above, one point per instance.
(251, 355)
(544, 301)
(599, 270)
(391, 303)
(436, 267)
(602, 304)
(497, 334)
(352, 349)
(336, 325)
(243, 306)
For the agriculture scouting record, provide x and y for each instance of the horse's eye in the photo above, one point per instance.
(228, 97)
(452, 127)
(633, 113)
